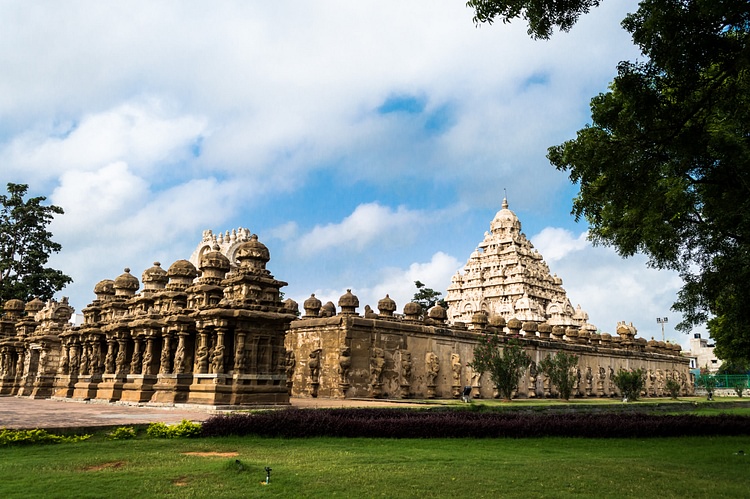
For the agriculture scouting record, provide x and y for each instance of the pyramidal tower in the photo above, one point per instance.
(506, 276)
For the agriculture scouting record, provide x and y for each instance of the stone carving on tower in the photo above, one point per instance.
(507, 277)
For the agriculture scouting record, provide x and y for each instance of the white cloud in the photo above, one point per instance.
(142, 134)
(555, 243)
(367, 223)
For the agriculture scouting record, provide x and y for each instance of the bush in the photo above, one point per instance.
(184, 429)
(739, 388)
(28, 437)
(709, 383)
(505, 363)
(405, 423)
(630, 383)
(122, 433)
(561, 371)
(673, 387)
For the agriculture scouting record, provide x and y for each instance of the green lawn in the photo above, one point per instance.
(362, 468)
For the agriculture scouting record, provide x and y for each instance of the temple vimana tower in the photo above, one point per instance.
(506, 277)
(213, 331)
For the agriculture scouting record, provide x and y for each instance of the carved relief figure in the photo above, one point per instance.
(96, 358)
(179, 358)
(432, 364)
(84, 365)
(217, 362)
(109, 360)
(314, 365)
(164, 358)
(64, 362)
(377, 361)
(533, 373)
(147, 361)
(202, 359)
(291, 363)
(405, 367)
(456, 369)
(345, 365)
(120, 362)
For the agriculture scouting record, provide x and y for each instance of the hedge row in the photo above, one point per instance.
(405, 423)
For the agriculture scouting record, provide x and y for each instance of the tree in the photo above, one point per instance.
(630, 383)
(505, 363)
(427, 297)
(542, 15)
(560, 369)
(664, 168)
(25, 247)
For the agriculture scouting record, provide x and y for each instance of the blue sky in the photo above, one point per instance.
(368, 144)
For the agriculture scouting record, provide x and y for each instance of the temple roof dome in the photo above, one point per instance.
(505, 219)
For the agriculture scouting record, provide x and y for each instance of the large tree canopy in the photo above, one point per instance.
(25, 247)
(542, 15)
(664, 168)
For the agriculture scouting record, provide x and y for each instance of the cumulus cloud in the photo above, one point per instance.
(141, 134)
(368, 222)
(556, 243)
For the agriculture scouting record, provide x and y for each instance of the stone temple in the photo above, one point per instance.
(213, 331)
(506, 277)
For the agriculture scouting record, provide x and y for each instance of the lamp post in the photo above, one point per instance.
(661, 321)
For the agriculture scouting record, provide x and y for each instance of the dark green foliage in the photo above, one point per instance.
(673, 387)
(708, 382)
(542, 15)
(561, 371)
(405, 423)
(664, 169)
(630, 383)
(25, 247)
(427, 297)
(506, 363)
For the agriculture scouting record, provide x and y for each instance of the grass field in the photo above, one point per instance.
(363, 468)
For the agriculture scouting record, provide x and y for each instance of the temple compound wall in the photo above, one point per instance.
(404, 356)
(213, 330)
(212, 336)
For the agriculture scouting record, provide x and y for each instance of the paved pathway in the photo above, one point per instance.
(21, 412)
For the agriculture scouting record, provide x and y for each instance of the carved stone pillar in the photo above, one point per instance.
(84, 363)
(121, 361)
(74, 358)
(136, 361)
(217, 359)
(165, 359)
(179, 356)
(239, 353)
(201, 361)
(148, 356)
(64, 368)
(109, 361)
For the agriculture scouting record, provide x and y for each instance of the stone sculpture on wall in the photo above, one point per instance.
(432, 365)
(377, 362)
(456, 373)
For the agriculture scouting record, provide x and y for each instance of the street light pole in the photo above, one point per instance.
(661, 321)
